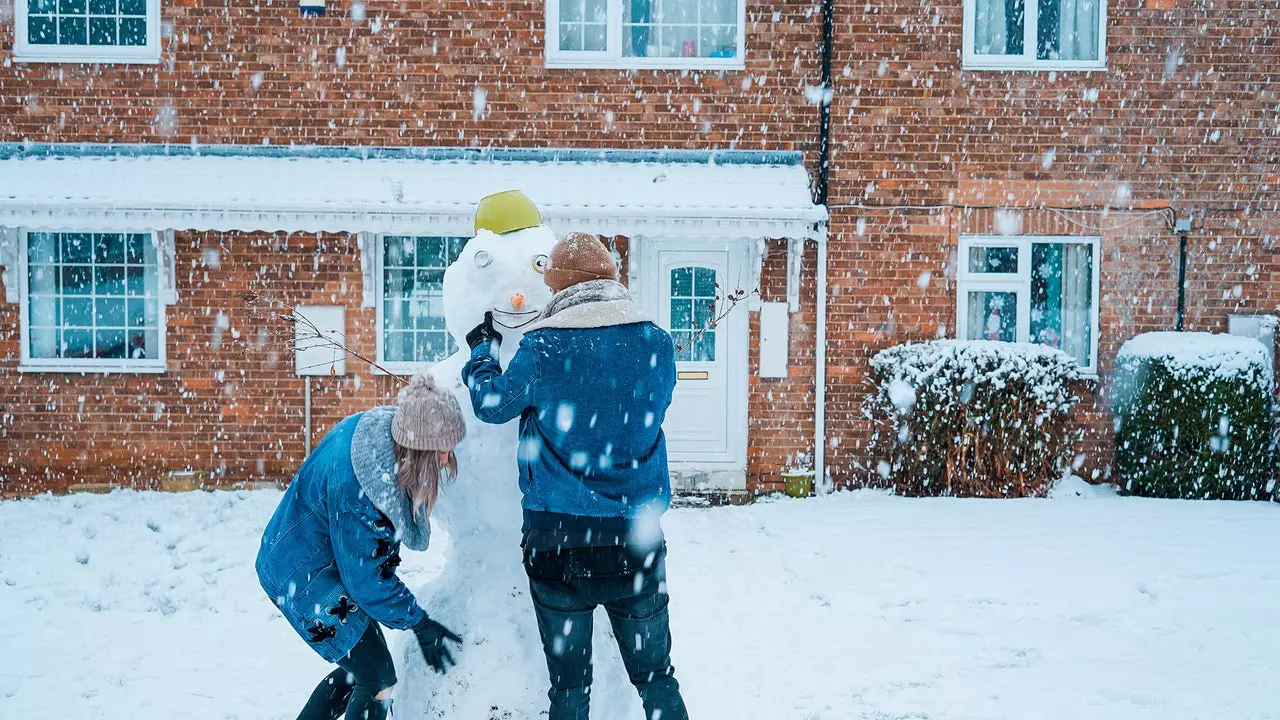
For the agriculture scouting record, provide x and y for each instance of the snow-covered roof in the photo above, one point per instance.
(419, 190)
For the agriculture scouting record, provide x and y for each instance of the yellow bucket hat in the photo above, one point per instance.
(505, 212)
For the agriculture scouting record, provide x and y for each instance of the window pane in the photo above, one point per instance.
(998, 27)
(704, 348)
(595, 38)
(82, 295)
(42, 311)
(133, 7)
(572, 10)
(41, 7)
(77, 280)
(77, 312)
(42, 30)
(110, 344)
(44, 343)
(139, 249)
(571, 36)
(682, 282)
(681, 314)
(76, 247)
(108, 280)
(413, 324)
(102, 31)
(133, 32)
(704, 282)
(1068, 30)
(680, 28)
(142, 345)
(71, 7)
(1062, 298)
(72, 31)
(993, 315)
(993, 260)
(684, 345)
(102, 7)
(77, 344)
(704, 312)
(137, 313)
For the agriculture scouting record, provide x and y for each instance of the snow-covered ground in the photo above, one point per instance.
(144, 605)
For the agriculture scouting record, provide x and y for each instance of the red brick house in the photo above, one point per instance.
(997, 170)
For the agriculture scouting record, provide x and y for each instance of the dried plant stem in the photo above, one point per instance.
(307, 331)
(725, 303)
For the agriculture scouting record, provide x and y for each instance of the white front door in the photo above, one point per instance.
(683, 284)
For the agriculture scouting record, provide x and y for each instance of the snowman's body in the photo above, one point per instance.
(483, 592)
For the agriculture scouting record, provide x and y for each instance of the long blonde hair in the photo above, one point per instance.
(419, 475)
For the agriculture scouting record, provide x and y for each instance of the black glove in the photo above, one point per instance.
(484, 333)
(431, 637)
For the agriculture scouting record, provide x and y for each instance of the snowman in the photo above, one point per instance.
(483, 592)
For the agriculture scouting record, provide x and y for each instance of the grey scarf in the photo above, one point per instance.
(587, 292)
(373, 458)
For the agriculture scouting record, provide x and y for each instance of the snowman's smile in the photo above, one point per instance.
(530, 316)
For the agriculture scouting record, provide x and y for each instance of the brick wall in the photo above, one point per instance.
(1184, 117)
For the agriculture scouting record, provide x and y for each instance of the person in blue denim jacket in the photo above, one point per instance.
(329, 553)
(591, 383)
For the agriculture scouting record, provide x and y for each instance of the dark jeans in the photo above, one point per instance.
(637, 610)
(366, 671)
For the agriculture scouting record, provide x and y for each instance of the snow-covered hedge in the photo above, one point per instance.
(1193, 416)
(972, 418)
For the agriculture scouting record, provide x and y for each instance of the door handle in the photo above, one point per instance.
(693, 375)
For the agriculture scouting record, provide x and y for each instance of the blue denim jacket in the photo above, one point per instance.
(329, 553)
(591, 386)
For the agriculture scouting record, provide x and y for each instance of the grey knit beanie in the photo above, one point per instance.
(428, 418)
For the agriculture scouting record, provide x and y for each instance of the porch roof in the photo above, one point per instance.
(402, 190)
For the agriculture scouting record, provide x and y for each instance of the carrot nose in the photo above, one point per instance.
(517, 302)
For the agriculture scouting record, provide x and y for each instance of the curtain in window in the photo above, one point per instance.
(1077, 295)
(997, 27)
(1077, 34)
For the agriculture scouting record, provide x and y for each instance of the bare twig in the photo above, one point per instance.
(725, 303)
(307, 333)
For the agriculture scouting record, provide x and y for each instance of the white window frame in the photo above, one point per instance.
(1028, 60)
(24, 51)
(1020, 283)
(612, 57)
(26, 363)
(397, 367)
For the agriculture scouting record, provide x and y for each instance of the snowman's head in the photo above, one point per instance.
(502, 274)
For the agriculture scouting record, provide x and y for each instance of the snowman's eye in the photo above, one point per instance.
(540, 263)
(483, 259)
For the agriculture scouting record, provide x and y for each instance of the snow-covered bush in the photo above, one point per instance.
(1193, 416)
(972, 418)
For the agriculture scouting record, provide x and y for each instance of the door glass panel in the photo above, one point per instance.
(993, 315)
(692, 313)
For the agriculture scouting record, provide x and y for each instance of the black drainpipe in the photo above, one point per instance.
(1183, 227)
(824, 133)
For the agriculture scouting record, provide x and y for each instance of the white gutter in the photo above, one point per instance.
(820, 481)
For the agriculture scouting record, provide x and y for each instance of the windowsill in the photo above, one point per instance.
(1045, 66)
(95, 369)
(147, 57)
(666, 63)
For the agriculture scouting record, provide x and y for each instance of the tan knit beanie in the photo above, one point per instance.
(579, 257)
(428, 418)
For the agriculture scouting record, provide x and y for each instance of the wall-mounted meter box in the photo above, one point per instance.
(319, 339)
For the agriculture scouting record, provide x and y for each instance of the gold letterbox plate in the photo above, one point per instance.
(693, 375)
